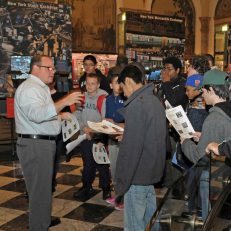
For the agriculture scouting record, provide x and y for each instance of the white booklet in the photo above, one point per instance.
(100, 154)
(70, 146)
(105, 127)
(179, 120)
(69, 128)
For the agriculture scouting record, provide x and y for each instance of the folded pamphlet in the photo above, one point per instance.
(179, 120)
(105, 127)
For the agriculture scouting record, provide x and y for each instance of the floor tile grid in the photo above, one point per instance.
(92, 214)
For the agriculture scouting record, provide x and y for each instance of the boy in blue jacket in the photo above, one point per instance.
(113, 103)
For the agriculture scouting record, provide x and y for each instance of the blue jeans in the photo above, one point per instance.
(139, 206)
(204, 193)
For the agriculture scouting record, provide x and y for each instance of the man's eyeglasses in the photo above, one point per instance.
(49, 68)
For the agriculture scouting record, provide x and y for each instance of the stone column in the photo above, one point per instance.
(204, 34)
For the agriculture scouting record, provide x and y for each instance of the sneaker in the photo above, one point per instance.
(119, 207)
(111, 201)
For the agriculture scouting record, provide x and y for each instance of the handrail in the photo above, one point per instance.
(157, 212)
(207, 224)
(216, 208)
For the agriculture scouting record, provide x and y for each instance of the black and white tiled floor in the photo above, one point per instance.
(91, 215)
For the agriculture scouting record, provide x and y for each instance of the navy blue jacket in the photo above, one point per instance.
(113, 103)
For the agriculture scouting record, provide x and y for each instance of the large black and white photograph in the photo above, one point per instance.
(30, 27)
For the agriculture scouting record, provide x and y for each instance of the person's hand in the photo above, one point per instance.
(196, 136)
(88, 132)
(119, 138)
(110, 120)
(165, 76)
(212, 147)
(65, 116)
(75, 97)
(121, 125)
(182, 139)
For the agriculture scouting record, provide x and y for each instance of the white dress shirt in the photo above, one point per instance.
(35, 112)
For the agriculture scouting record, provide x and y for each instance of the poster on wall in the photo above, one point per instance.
(34, 27)
(94, 26)
(150, 37)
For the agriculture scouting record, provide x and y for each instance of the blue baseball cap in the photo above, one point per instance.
(194, 80)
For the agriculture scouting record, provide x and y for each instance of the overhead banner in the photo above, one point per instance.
(157, 25)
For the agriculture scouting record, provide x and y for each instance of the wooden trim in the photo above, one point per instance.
(219, 21)
(122, 9)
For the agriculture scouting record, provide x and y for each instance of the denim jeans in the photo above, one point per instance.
(139, 205)
(204, 192)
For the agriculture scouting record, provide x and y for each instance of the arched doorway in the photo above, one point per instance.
(180, 8)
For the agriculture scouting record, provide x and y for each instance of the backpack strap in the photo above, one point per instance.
(100, 102)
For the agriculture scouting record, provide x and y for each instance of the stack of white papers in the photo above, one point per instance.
(105, 127)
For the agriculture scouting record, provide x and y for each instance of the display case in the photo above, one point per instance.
(148, 38)
(104, 62)
(222, 45)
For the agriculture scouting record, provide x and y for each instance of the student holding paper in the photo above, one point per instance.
(141, 159)
(113, 103)
(216, 127)
(90, 112)
(172, 89)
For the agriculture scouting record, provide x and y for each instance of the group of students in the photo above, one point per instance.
(204, 95)
(97, 105)
(208, 109)
(133, 155)
(216, 127)
(138, 157)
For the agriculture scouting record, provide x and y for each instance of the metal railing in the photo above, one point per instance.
(172, 214)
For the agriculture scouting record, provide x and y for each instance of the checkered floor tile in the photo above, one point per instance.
(92, 214)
